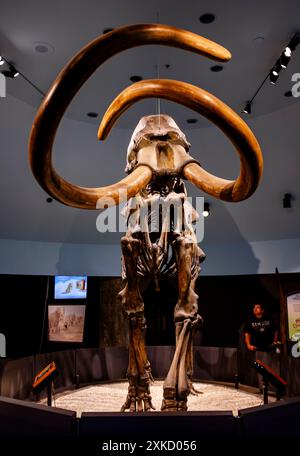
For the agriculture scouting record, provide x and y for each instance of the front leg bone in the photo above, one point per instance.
(139, 371)
(178, 383)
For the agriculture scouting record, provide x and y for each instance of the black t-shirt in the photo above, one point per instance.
(261, 332)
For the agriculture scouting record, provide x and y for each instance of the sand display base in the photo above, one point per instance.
(109, 397)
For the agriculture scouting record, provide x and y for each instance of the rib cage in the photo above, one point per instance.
(158, 231)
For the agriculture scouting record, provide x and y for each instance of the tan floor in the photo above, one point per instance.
(110, 397)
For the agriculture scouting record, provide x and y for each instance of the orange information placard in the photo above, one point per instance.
(46, 375)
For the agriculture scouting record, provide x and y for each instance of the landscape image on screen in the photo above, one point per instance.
(66, 323)
(70, 287)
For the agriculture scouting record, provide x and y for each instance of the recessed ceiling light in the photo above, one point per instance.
(135, 78)
(216, 68)
(107, 30)
(258, 40)
(92, 114)
(288, 93)
(43, 48)
(192, 121)
(207, 18)
(49, 200)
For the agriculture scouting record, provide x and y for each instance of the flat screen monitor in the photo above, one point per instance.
(66, 323)
(70, 287)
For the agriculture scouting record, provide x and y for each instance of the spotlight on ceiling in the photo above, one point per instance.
(281, 63)
(206, 210)
(11, 72)
(274, 74)
(247, 108)
(285, 57)
(275, 70)
(287, 201)
(273, 78)
(294, 42)
(2, 61)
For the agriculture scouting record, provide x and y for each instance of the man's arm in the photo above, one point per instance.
(275, 340)
(275, 330)
(248, 342)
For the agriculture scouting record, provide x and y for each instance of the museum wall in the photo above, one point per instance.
(23, 315)
(234, 274)
(40, 238)
(225, 303)
(52, 258)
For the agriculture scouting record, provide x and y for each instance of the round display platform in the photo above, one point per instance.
(109, 397)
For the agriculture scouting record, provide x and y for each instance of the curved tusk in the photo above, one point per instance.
(73, 76)
(219, 113)
(213, 185)
(101, 197)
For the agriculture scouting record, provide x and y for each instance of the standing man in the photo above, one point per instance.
(260, 332)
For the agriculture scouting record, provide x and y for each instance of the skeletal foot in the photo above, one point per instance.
(138, 399)
(193, 391)
(174, 405)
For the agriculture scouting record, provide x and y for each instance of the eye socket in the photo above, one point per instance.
(173, 135)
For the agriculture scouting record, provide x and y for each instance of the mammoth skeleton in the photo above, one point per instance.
(158, 162)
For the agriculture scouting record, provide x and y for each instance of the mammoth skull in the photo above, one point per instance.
(156, 146)
(158, 142)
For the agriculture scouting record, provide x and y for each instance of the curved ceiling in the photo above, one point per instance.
(255, 32)
(68, 25)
